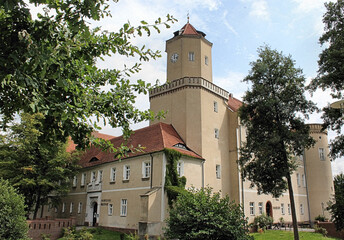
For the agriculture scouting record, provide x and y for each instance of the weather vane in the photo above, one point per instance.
(188, 16)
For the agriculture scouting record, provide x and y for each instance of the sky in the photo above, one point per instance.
(237, 28)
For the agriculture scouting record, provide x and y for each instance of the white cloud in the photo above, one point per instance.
(306, 6)
(259, 9)
(227, 24)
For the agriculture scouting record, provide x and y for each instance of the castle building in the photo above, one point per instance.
(201, 123)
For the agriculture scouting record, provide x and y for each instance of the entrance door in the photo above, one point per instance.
(95, 207)
(268, 209)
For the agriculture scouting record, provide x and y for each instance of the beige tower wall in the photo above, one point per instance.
(182, 45)
(319, 173)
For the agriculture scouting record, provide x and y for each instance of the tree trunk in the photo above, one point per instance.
(292, 204)
(38, 202)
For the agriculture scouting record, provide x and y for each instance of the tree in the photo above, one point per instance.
(12, 213)
(201, 214)
(272, 113)
(48, 65)
(331, 71)
(36, 164)
(336, 207)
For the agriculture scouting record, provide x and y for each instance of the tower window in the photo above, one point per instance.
(215, 106)
(321, 154)
(191, 56)
(206, 60)
(218, 171)
(216, 132)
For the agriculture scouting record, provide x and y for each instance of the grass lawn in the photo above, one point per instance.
(287, 235)
(102, 234)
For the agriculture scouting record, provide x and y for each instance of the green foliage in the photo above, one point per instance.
(35, 163)
(48, 65)
(174, 184)
(271, 112)
(321, 230)
(336, 207)
(12, 213)
(331, 70)
(201, 214)
(320, 218)
(72, 234)
(287, 235)
(262, 221)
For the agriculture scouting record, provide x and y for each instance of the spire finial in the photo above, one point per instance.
(188, 17)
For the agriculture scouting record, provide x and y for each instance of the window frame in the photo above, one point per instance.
(282, 209)
(191, 56)
(216, 107)
(206, 60)
(79, 207)
(260, 208)
(322, 156)
(113, 174)
(75, 181)
(126, 172)
(83, 179)
(71, 206)
(146, 169)
(218, 171)
(216, 133)
(180, 168)
(124, 207)
(252, 210)
(110, 209)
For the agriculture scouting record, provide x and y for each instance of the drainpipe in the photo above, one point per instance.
(203, 173)
(304, 167)
(241, 181)
(151, 172)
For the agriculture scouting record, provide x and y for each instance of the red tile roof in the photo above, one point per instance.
(188, 29)
(153, 138)
(233, 103)
(71, 145)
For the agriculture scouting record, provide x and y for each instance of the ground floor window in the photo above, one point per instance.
(124, 209)
(251, 208)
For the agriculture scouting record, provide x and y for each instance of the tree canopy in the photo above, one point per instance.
(336, 207)
(201, 214)
(48, 65)
(331, 70)
(272, 113)
(36, 164)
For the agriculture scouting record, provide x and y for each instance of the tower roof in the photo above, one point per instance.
(188, 29)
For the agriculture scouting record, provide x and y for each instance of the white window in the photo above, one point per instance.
(126, 172)
(321, 154)
(146, 169)
(113, 174)
(124, 209)
(206, 60)
(298, 179)
(80, 207)
(251, 208)
(215, 106)
(282, 209)
(110, 209)
(302, 211)
(303, 180)
(289, 209)
(71, 207)
(301, 157)
(216, 132)
(75, 180)
(260, 208)
(83, 179)
(100, 176)
(180, 168)
(191, 56)
(218, 171)
(93, 177)
(63, 207)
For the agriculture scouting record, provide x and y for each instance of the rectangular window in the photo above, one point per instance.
(301, 157)
(146, 169)
(303, 180)
(83, 179)
(80, 207)
(110, 209)
(180, 168)
(282, 209)
(191, 56)
(75, 180)
(216, 132)
(124, 209)
(260, 208)
(206, 60)
(298, 179)
(93, 177)
(113, 174)
(126, 172)
(71, 207)
(215, 107)
(321, 154)
(63, 207)
(302, 211)
(218, 171)
(100, 176)
(289, 209)
(251, 208)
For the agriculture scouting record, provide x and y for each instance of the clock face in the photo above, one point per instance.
(174, 57)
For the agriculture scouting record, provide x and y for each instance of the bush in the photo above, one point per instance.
(12, 213)
(72, 234)
(262, 221)
(320, 218)
(321, 230)
(200, 214)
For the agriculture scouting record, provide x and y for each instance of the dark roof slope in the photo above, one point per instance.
(153, 138)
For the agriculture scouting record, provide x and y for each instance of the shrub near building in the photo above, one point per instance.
(201, 214)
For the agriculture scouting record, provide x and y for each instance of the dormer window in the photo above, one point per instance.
(180, 145)
(94, 159)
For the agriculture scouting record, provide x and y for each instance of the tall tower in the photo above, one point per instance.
(196, 107)
(189, 54)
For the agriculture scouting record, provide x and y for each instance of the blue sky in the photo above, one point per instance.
(236, 28)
